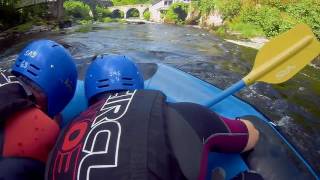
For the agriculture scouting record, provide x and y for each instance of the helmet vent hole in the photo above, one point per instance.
(20, 60)
(34, 74)
(35, 67)
(127, 84)
(126, 78)
(103, 86)
(103, 80)
(55, 45)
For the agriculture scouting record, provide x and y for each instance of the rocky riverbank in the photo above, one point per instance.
(15, 34)
(12, 35)
(214, 20)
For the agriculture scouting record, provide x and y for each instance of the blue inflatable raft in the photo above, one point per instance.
(273, 157)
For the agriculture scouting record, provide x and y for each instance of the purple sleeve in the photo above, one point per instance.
(233, 141)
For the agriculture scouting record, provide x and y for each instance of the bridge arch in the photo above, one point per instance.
(133, 12)
(117, 13)
(147, 10)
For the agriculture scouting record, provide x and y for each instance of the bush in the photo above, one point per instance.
(9, 16)
(266, 17)
(307, 11)
(146, 15)
(133, 13)
(247, 30)
(279, 4)
(107, 20)
(7, 12)
(117, 14)
(85, 22)
(102, 13)
(206, 6)
(230, 8)
(77, 9)
(176, 13)
(195, 14)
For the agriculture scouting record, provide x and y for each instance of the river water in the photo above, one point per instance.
(293, 106)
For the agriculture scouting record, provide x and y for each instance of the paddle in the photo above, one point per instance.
(279, 59)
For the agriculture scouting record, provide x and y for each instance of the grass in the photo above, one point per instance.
(108, 19)
(246, 30)
(84, 28)
(22, 27)
(84, 22)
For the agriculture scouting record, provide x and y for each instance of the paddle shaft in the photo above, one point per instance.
(229, 91)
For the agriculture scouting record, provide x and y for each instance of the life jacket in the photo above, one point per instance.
(122, 136)
(13, 97)
(26, 133)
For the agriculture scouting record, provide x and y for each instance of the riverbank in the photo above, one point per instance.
(12, 35)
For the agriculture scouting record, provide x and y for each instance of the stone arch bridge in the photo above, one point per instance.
(126, 8)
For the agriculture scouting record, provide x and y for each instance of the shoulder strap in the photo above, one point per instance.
(13, 96)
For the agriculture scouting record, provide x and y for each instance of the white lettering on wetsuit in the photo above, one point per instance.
(102, 143)
(6, 79)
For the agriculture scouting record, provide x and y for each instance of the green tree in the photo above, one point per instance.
(176, 13)
(146, 15)
(133, 13)
(77, 9)
(268, 18)
(306, 11)
(102, 13)
(206, 6)
(117, 14)
(229, 9)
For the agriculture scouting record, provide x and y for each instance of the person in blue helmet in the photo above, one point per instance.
(41, 83)
(131, 133)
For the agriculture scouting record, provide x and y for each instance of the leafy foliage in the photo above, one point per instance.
(133, 13)
(176, 13)
(206, 6)
(229, 9)
(117, 14)
(246, 29)
(77, 9)
(146, 15)
(10, 16)
(102, 13)
(307, 11)
(270, 16)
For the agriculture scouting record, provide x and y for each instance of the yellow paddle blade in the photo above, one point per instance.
(284, 56)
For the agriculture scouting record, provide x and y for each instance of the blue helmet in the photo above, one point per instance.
(110, 73)
(50, 66)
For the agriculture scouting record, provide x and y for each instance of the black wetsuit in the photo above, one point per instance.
(137, 135)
